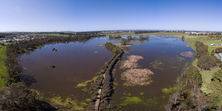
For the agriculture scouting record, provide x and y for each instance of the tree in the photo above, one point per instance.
(18, 97)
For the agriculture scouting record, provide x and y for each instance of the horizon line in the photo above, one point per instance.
(173, 30)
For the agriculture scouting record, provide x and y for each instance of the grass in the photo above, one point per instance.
(131, 100)
(212, 89)
(153, 103)
(69, 104)
(3, 68)
(169, 90)
(213, 86)
(178, 34)
(216, 88)
(191, 40)
(206, 79)
(205, 39)
(206, 74)
(86, 83)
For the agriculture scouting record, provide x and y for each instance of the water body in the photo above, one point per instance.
(162, 56)
(58, 68)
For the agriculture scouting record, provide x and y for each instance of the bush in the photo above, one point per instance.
(201, 49)
(215, 37)
(17, 97)
(189, 97)
(193, 73)
(207, 62)
(215, 87)
(217, 50)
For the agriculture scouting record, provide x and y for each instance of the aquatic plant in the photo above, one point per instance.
(86, 84)
(169, 90)
(131, 62)
(64, 104)
(133, 75)
(151, 103)
(131, 100)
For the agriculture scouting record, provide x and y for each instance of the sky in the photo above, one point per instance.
(92, 15)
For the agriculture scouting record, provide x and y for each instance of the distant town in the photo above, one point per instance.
(7, 37)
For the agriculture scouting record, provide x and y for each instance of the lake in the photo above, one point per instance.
(57, 68)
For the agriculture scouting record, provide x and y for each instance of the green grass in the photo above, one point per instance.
(69, 104)
(3, 68)
(213, 85)
(179, 34)
(169, 90)
(131, 100)
(206, 79)
(85, 84)
(205, 39)
(153, 103)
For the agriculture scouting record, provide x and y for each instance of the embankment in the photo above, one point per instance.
(102, 88)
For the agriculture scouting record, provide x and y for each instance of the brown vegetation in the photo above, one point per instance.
(205, 61)
(217, 50)
(187, 54)
(201, 49)
(133, 75)
(131, 62)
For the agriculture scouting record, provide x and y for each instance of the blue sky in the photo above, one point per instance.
(85, 15)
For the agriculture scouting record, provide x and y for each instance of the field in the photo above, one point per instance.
(205, 39)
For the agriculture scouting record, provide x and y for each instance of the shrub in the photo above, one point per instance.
(189, 97)
(215, 87)
(17, 97)
(193, 73)
(201, 49)
(217, 50)
(207, 62)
